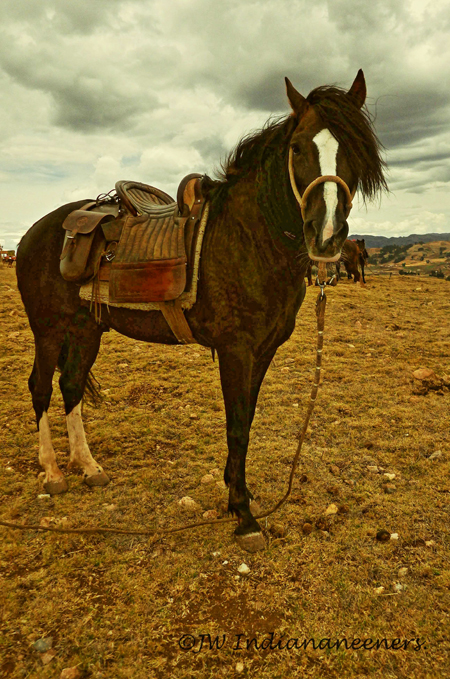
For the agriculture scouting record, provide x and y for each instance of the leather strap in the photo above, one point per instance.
(174, 315)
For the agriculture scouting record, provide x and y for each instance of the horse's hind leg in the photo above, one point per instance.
(40, 385)
(77, 357)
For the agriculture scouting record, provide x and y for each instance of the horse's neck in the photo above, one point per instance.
(244, 226)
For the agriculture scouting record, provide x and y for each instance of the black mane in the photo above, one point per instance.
(350, 125)
(353, 129)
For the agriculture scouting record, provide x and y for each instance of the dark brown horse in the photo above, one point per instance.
(270, 211)
(354, 257)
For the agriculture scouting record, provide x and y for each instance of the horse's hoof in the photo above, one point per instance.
(100, 479)
(56, 487)
(252, 542)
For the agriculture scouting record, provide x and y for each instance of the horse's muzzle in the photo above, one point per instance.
(328, 251)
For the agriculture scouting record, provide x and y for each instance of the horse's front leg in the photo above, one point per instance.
(238, 387)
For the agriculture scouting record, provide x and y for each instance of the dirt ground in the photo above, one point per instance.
(118, 606)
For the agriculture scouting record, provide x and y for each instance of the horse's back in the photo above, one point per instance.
(37, 266)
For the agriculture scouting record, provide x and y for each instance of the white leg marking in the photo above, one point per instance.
(80, 455)
(328, 148)
(47, 458)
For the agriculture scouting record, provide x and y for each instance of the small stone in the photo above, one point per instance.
(289, 360)
(239, 667)
(70, 673)
(243, 569)
(430, 543)
(352, 346)
(402, 572)
(389, 477)
(278, 530)
(394, 536)
(389, 488)
(46, 521)
(43, 645)
(358, 325)
(424, 374)
(189, 504)
(331, 509)
(193, 416)
(224, 563)
(383, 536)
(123, 365)
(334, 469)
(436, 456)
(207, 478)
(48, 657)
(44, 496)
(285, 370)
(378, 590)
(110, 508)
(210, 515)
(372, 468)
(216, 553)
(307, 528)
(325, 533)
(397, 587)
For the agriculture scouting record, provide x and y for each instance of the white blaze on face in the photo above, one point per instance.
(328, 148)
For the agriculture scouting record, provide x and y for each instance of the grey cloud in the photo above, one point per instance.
(55, 17)
(136, 74)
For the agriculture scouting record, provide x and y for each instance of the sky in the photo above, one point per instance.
(93, 91)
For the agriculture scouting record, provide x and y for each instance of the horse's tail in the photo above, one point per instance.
(92, 394)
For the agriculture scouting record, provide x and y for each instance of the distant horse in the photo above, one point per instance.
(283, 196)
(354, 257)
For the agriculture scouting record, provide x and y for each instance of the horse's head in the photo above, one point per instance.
(321, 177)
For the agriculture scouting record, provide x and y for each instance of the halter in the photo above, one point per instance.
(319, 180)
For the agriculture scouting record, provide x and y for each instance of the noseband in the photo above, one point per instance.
(319, 180)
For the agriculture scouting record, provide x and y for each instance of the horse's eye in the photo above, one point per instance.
(295, 148)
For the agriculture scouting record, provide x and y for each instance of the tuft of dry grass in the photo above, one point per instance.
(117, 606)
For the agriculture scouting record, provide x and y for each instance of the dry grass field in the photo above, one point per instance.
(117, 606)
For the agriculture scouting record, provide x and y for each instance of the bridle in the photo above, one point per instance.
(319, 180)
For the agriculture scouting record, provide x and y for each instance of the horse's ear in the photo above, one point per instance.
(358, 91)
(297, 101)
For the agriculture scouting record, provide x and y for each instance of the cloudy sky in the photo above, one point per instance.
(93, 91)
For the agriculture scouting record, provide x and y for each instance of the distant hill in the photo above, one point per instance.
(381, 241)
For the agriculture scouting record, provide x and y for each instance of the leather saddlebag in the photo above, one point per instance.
(83, 244)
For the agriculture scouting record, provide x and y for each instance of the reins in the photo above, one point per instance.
(157, 534)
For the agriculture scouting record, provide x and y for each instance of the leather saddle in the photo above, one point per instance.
(140, 240)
